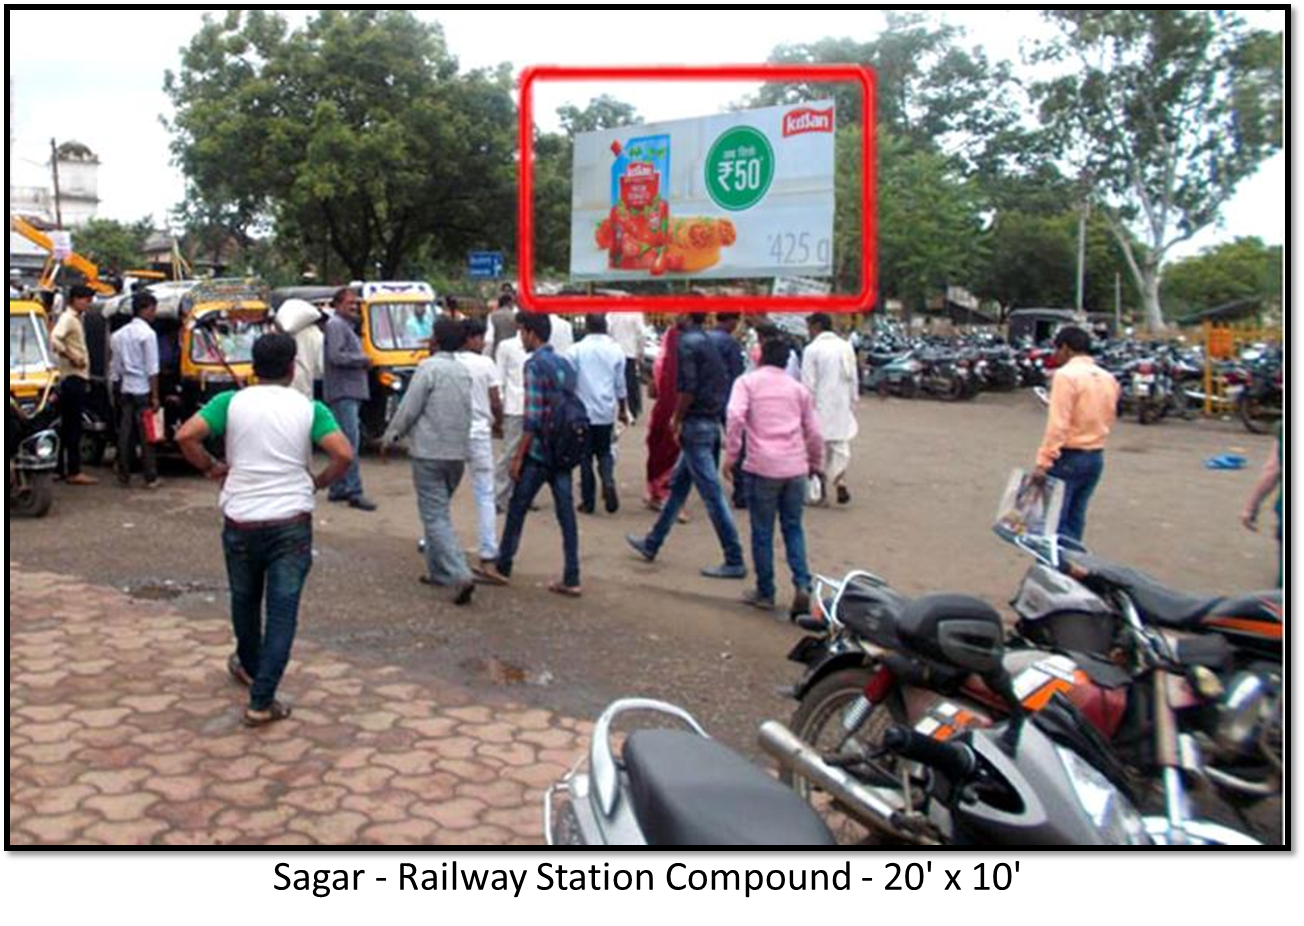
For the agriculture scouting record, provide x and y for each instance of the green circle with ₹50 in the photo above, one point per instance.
(739, 168)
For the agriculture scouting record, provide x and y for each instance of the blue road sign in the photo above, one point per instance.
(485, 265)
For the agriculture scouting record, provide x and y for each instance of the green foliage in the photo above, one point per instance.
(355, 134)
(113, 246)
(1163, 112)
(1238, 270)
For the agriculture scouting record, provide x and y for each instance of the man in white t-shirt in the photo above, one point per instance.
(563, 333)
(628, 329)
(511, 357)
(267, 501)
(486, 420)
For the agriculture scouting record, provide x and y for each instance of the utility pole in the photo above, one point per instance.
(1082, 253)
(54, 167)
(1118, 303)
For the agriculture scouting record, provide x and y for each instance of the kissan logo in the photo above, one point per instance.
(800, 121)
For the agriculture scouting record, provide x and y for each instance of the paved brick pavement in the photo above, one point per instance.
(124, 728)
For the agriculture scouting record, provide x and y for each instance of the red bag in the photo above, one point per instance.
(153, 426)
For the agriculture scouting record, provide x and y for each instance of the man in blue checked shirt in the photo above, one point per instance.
(547, 374)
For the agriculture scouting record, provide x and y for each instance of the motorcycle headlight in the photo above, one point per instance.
(397, 385)
(1109, 810)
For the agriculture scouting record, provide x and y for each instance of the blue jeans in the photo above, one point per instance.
(348, 414)
(267, 564)
(534, 475)
(1079, 470)
(787, 499)
(698, 466)
(435, 482)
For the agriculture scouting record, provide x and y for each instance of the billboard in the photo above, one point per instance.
(736, 195)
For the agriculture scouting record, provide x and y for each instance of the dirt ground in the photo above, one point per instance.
(925, 479)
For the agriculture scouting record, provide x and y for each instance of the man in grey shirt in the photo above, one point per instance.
(437, 412)
(345, 389)
(502, 326)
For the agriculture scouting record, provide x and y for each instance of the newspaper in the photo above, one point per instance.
(1029, 508)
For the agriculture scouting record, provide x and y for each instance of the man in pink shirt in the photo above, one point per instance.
(776, 415)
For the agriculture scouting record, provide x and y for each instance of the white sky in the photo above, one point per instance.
(108, 93)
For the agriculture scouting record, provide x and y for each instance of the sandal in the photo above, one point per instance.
(488, 574)
(570, 591)
(238, 671)
(277, 711)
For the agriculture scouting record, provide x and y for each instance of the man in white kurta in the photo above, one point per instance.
(830, 371)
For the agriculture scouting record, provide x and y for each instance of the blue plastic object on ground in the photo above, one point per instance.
(1225, 461)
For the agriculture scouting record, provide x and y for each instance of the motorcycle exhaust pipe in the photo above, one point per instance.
(861, 801)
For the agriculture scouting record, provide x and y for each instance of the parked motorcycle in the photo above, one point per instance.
(1231, 647)
(938, 665)
(673, 787)
(32, 453)
(1025, 782)
(892, 374)
(1259, 404)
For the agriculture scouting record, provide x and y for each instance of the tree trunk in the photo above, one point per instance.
(1150, 293)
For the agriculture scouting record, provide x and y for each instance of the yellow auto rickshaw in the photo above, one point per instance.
(33, 375)
(31, 444)
(397, 322)
(206, 331)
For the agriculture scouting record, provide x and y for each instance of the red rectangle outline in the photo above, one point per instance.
(860, 302)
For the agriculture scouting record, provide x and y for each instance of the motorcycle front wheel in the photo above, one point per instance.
(1258, 417)
(818, 722)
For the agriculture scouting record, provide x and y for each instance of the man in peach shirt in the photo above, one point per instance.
(1083, 405)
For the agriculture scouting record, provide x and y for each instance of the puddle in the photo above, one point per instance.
(168, 590)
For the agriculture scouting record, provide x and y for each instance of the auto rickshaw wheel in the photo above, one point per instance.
(31, 495)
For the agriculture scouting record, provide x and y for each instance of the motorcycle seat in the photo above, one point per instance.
(882, 360)
(692, 791)
(1155, 603)
(872, 611)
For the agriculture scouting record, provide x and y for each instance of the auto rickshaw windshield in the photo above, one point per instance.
(229, 340)
(28, 352)
(401, 325)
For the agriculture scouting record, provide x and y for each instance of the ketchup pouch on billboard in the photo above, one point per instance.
(639, 222)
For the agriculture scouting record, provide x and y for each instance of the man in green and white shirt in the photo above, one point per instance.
(267, 500)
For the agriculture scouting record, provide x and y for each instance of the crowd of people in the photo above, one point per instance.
(557, 405)
(775, 422)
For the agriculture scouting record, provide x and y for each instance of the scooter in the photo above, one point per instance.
(672, 787)
(892, 374)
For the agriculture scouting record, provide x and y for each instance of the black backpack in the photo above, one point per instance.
(568, 433)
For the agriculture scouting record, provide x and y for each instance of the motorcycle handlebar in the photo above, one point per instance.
(954, 760)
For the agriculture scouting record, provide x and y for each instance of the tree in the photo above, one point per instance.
(932, 92)
(114, 246)
(355, 134)
(603, 112)
(1163, 113)
(929, 226)
(1030, 259)
(1244, 269)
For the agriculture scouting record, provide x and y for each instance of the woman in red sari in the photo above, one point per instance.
(662, 443)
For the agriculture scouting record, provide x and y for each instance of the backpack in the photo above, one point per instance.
(568, 434)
